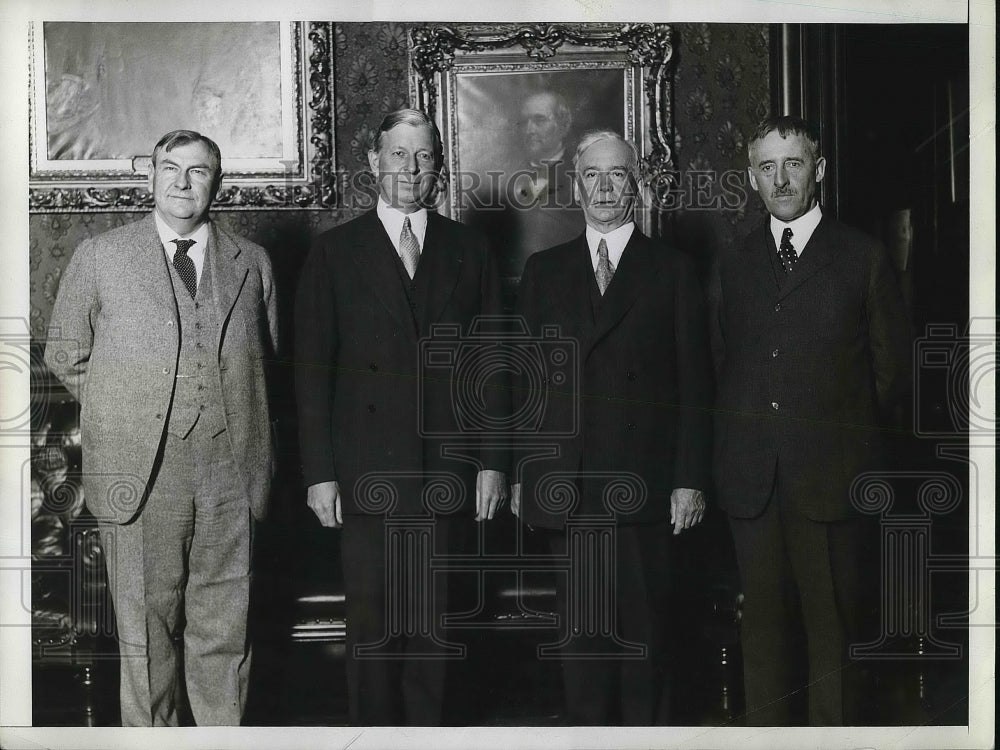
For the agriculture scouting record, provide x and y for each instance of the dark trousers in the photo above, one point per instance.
(396, 660)
(799, 574)
(183, 567)
(614, 621)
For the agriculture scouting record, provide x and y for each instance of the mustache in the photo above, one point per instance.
(782, 192)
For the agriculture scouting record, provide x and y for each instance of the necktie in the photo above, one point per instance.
(604, 268)
(409, 248)
(185, 266)
(786, 251)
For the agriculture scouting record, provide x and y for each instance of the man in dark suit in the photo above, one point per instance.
(372, 415)
(812, 345)
(161, 330)
(637, 463)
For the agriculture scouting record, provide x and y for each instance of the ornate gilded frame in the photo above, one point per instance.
(307, 179)
(642, 51)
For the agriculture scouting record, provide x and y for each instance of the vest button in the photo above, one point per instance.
(630, 375)
(774, 405)
(159, 416)
(373, 367)
(371, 408)
(774, 355)
(777, 307)
(170, 323)
(166, 370)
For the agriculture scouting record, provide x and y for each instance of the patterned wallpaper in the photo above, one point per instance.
(720, 90)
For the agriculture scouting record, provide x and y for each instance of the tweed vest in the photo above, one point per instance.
(197, 400)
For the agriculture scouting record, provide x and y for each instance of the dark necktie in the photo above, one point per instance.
(786, 250)
(409, 248)
(604, 269)
(185, 266)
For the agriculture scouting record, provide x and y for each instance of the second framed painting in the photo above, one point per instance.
(512, 103)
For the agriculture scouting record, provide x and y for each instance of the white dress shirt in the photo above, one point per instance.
(802, 228)
(196, 252)
(616, 240)
(392, 222)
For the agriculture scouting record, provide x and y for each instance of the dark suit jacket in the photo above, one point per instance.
(369, 402)
(114, 343)
(641, 392)
(806, 364)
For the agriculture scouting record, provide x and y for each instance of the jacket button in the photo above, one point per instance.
(774, 405)
(170, 323)
(371, 408)
(777, 307)
(166, 370)
(373, 367)
(774, 354)
(159, 416)
(630, 426)
(630, 375)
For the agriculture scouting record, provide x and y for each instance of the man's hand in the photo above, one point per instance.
(324, 499)
(515, 499)
(491, 491)
(687, 508)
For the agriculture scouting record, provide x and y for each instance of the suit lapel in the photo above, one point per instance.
(625, 287)
(229, 273)
(440, 265)
(148, 265)
(374, 256)
(759, 249)
(573, 296)
(817, 253)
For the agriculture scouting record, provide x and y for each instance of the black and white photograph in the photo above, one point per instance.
(576, 377)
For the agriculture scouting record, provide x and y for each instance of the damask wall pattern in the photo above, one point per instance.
(720, 91)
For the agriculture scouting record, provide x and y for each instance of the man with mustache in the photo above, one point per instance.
(812, 346)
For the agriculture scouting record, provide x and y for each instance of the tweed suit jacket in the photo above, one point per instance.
(808, 363)
(371, 406)
(635, 405)
(114, 343)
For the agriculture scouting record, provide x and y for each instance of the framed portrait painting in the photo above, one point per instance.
(512, 102)
(102, 94)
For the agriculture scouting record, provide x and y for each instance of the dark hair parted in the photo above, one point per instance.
(786, 125)
(176, 138)
(409, 117)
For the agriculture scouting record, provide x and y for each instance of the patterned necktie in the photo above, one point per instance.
(786, 251)
(604, 268)
(185, 266)
(409, 248)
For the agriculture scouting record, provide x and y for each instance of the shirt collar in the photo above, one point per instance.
(616, 239)
(802, 228)
(168, 235)
(392, 221)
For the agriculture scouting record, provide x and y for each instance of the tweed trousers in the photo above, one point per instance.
(180, 581)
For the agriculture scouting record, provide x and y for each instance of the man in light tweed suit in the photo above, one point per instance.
(161, 330)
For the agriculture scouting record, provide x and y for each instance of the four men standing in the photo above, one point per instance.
(162, 328)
